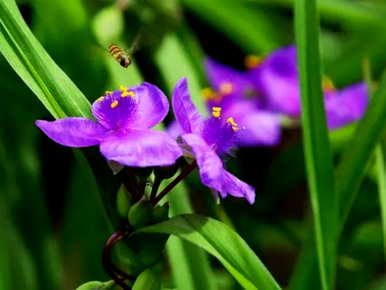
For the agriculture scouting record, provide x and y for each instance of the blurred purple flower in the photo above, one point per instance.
(122, 128)
(235, 93)
(205, 140)
(277, 80)
(346, 105)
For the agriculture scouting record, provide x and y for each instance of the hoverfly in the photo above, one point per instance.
(120, 55)
(123, 56)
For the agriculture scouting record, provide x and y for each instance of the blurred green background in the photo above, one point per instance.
(51, 217)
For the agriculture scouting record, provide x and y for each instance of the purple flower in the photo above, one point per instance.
(346, 106)
(122, 128)
(277, 80)
(235, 93)
(205, 140)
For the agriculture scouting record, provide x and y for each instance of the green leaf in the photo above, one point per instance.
(316, 143)
(96, 285)
(381, 169)
(150, 279)
(251, 29)
(172, 52)
(190, 265)
(36, 68)
(223, 243)
(352, 13)
(350, 171)
(357, 153)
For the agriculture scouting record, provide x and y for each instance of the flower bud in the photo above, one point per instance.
(140, 214)
(124, 202)
(160, 213)
(96, 285)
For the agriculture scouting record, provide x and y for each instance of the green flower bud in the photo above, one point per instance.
(96, 285)
(123, 202)
(151, 248)
(140, 214)
(160, 213)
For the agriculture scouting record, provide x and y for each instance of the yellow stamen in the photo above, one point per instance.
(231, 121)
(235, 126)
(114, 104)
(216, 112)
(226, 88)
(208, 93)
(108, 93)
(100, 99)
(127, 93)
(122, 88)
(253, 61)
(328, 85)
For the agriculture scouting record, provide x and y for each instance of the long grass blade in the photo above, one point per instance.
(223, 243)
(316, 143)
(36, 68)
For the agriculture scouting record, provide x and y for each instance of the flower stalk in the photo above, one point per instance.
(117, 275)
(185, 172)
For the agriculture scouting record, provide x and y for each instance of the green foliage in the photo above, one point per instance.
(96, 285)
(223, 243)
(36, 68)
(148, 280)
(316, 143)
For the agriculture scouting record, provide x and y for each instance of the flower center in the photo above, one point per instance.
(253, 61)
(328, 85)
(216, 112)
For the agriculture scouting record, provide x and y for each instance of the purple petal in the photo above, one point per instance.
(212, 172)
(277, 77)
(346, 105)
(174, 130)
(73, 132)
(141, 148)
(184, 110)
(153, 106)
(209, 163)
(235, 187)
(256, 127)
(259, 129)
(145, 107)
(219, 74)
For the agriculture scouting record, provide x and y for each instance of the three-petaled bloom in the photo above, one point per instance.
(234, 92)
(277, 80)
(122, 128)
(205, 140)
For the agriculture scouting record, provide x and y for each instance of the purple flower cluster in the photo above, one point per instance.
(245, 110)
(122, 129)
(259, 97)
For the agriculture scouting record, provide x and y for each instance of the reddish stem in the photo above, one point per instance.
(185, 172)
(115, 273)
